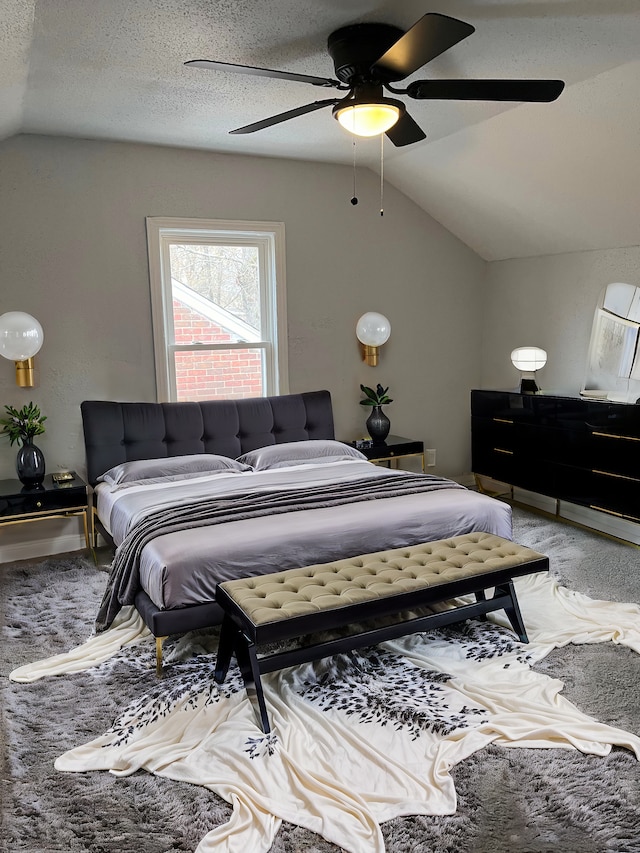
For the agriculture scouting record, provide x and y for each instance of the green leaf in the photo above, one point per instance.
(379, 397)
(23, 424)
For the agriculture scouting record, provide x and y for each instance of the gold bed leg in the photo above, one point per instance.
(93, 534)
(159, 642)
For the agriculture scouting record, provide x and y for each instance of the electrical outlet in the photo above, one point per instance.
(431, 458)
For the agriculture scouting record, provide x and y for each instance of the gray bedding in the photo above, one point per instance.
(182, 566)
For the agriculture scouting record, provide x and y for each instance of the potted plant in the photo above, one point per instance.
(21, 426)
(378, 424)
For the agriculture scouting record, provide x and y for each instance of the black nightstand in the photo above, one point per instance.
(395, 447)
(19, 504)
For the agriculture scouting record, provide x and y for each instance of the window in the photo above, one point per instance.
(219, 308)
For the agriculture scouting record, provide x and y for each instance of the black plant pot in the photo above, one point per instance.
(378, 425)
(30, 465)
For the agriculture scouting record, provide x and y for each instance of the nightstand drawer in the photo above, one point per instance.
(35, 502)
(17, 500)
(22, 505)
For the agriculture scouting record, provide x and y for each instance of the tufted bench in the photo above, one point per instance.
(278, 607)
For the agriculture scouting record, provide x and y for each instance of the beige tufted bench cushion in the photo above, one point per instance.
(326, 586)
(289, 604)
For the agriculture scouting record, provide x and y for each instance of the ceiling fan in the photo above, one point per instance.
(370, 57)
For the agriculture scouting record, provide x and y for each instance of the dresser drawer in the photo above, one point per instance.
(617, 453)
(514, 468)
(615, 493)
(599, 490)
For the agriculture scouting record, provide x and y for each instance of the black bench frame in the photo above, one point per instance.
(240, 637)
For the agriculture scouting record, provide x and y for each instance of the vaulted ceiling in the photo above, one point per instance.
(511, 180)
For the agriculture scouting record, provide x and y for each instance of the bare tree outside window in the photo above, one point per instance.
(225, 275)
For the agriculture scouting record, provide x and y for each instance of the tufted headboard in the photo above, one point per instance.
(123, 432)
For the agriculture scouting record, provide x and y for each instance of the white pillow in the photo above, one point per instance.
(170, 468)
(309, 452)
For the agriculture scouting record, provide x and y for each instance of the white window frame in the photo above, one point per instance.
(268, 237)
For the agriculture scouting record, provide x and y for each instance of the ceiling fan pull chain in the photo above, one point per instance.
(354, 198)
(382, 174)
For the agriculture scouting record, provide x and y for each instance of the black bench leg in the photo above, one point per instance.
(226, 647)
(250, 669)
(481, 595)
(513, 612)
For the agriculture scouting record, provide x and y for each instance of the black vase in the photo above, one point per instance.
(30, 465)
(378, 425)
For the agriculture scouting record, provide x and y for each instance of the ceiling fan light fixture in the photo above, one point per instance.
(368, 118)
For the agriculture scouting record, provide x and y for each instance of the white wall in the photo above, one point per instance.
(548, 301)
(73, 249)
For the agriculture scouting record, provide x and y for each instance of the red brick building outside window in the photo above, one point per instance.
(211, 375)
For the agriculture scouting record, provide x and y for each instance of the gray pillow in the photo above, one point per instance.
(309, 452)
(170, 468)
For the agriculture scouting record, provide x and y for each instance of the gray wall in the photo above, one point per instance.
(549, 302)
(73, 252)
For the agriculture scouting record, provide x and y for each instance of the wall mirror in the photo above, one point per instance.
(613, 362)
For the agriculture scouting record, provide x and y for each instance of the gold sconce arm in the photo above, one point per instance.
(25, 373)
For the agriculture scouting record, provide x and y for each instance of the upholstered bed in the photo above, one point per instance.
(196, 493)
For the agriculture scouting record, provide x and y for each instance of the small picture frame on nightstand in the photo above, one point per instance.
(62, 477)
(361, 443)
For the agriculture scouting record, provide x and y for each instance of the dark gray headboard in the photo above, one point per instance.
(122, 432)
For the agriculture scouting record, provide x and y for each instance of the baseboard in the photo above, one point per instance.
(36, 548)
(489, 486)
(543, 502)
(602, 521)
(467, 480)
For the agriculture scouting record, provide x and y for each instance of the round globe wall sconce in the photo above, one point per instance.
(372, 330)
(21, 337)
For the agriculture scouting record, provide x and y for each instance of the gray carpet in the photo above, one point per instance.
(530, 801)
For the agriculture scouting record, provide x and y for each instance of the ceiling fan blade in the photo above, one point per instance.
(426, 39)
(541, 91)
(299, 111)
(405, 131)
(213, 65)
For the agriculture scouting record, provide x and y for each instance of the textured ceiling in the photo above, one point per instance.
(511, 180)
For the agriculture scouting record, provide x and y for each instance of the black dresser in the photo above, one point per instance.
(574, 449)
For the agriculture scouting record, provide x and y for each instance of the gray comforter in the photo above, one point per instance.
(124, 580)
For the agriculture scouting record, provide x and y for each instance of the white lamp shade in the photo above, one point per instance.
(21, 336)
(368, 119)
(373, 329)
(528, 359)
